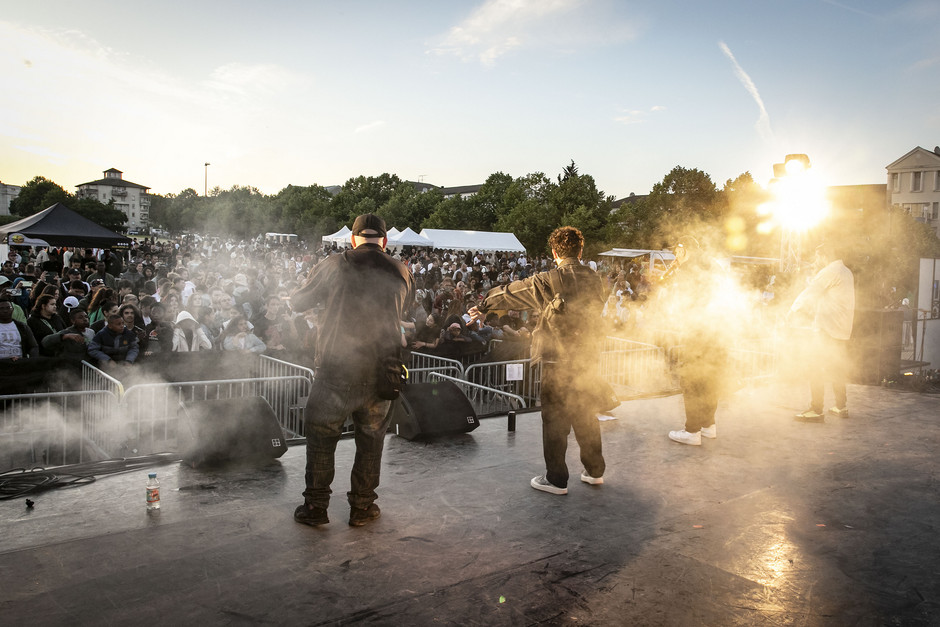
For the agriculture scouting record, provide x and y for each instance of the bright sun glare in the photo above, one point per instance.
(799, 199)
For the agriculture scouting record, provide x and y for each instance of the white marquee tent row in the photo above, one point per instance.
(482, 241)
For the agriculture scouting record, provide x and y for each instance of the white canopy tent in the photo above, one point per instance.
(408, 238)
(339, 237)
(483, 241)
(659, 260)
(392, 233)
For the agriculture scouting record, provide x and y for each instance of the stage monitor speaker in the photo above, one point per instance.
(429, 409)
(226, 430)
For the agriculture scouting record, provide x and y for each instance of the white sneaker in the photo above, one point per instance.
(543, 484)
(710, 432)
(586, 478)
(684, 437)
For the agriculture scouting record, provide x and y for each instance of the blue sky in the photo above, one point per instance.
(280, 93)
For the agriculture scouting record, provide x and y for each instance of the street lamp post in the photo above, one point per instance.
(206, 190)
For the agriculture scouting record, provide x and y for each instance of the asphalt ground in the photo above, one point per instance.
(773, 523)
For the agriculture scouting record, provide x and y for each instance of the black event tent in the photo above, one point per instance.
(60, 226)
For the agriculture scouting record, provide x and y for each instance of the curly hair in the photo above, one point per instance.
(566, 241)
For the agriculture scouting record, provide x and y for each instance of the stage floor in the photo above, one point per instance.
(773, 523)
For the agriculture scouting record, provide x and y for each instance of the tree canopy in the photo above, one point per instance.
(686, 201)
(40, 193)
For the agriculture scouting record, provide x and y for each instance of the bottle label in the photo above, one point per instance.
(153, 495)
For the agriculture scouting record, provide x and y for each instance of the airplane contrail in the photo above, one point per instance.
(763, 122)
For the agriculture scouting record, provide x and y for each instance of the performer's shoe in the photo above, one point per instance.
(810, 415)
(586, 478)
(543, 484)
(359, 516)
(309, 515)
(684, 437)
(841, 413)
(710, 432)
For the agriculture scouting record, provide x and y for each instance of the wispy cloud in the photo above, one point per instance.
(365, 128)
(763, 120)
(849, 7)
(64, 76)
(498, 27)
(637, 116)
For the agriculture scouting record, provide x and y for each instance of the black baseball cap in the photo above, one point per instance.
(369, 225)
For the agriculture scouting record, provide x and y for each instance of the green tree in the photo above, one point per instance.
(450, 213)
(239, 211)
(530, 216)
(684, 201)
(490, 202)
(305, 211)
(407, 207)
(348, 203)
(102, 214)
(577, 202)
(38, 194)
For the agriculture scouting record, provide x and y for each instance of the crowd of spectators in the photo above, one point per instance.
(159, 299)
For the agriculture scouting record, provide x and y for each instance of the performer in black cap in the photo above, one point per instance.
(363, 293)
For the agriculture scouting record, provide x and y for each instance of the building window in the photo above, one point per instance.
(936, 211)
(917, 181)
(936, 181)
(896, 182)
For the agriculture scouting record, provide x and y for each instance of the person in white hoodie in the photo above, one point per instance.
(830, 300)
(188, 336)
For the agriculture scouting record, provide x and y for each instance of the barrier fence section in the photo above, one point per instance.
(49, 428)
(486, 401)
(517, 378)
(151, 411)
(423, 364)
(290, 400)
(98, 411)
(636, 369)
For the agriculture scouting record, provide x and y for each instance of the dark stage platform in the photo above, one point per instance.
(773, 523)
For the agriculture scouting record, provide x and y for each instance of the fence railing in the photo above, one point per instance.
(422, 364)
(53, 428)
(486, 401)
(519, 378)
(105, 420)
(152, 410)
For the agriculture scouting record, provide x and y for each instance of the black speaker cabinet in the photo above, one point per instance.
(429, 409)
(875, 347)
(234, 429)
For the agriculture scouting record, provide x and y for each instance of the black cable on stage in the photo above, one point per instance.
(22, 481)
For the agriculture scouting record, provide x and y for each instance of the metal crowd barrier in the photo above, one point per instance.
(636, 369)
(106, 420)
(422, 364)
(98, 412)
(288, 403)
(753, 366)
(518, 378)
(53, 428)
(151, 410)
(486, 401)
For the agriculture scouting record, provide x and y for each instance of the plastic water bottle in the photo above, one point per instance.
(153, 492)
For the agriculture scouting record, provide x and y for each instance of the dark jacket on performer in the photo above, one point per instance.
(359, 326)
(583, 292)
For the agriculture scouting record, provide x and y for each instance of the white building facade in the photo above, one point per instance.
(7, 194)
(130, 198)
(914, 185)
